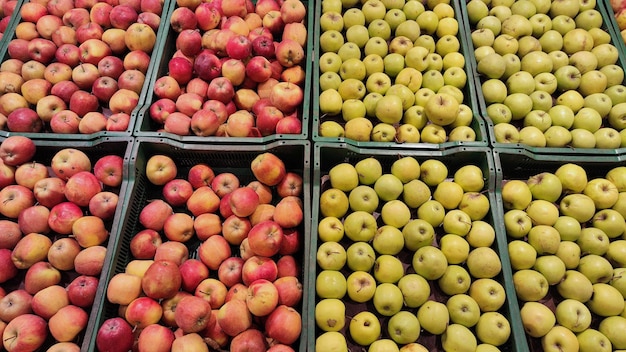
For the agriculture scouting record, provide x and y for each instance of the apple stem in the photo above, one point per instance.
(10, 338)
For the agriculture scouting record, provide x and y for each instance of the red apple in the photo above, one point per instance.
(267, 119)
(111, 66)
(262, 297)
(229, 271)
(213, 251)
(81, 187)
(137, 60)
(284, 325)
(151, 19)
(144, 244)
(289, 290)
(161, 280)
(104, 88)
(189, 41)
(76, 17)
(16, 150)
(225, 183)
(257, 267)
(251, 340)
(155, 338)
(192, 314)
(234, 317)
(243, 201)
(9, 270)
(64, 90)
(93, 50)
(89, 30)
(207, 66)
(82, 291)
(204, 123)
(161, 109)
(63, 252)
(200, 175)
(109, 170)
(192, 272)
(183, 18)
(103, 205)
(122, 16)
(153, 215)
(177, 191)
(14, 304)
(118, 122)
(34, 219)
(115, 335)
(84, 75)
(48, 301)
(208, 16)
(62, 217)
(27, 332)
(100, 14)
(268, 169)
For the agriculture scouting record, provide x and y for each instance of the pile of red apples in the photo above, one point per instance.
(6, 10)
(213, 264)
(77, 66)
(55, 225)
(238, 69)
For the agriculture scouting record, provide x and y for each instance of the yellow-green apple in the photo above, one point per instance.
(15, 303)
(67, 323)
(234, 317)
(49, 300)
(115, 334)
(26, 332)
(213, 251)
(364, 328)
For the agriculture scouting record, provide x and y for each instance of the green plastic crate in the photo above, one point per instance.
(146, 127)
(470, 98)
(327, 155)
(46, 150)
(235, 159)
(168, 7)
(517, 164)
(609, 26)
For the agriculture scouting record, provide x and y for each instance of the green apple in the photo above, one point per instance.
(410, 29)
(370, 101)
(449, 194)
(433, 317)
(614, 74)
(615, 253)
(521, 254)
(394, 63)
(516, 194)
(447, 44)
(358, 35)
(432, 212)
(428, 22)
(454, 280)
(528, 44)
(505, 44)
(593, 340)
(388, 187)
(331, 41)
(330, 314)
(388, 269)
(384, 345)
(559, 338)
(520, 82)
(331, 20)
(542, 6)
(415, 193)
(369, 170)
(374, 9)
(360, 256)
(415, 290)
(331, 341)
(383, 132)
(492, 65)
(426, 41)
(360, 226)
(457, 222)
(363, 198)
(334, 202)
(592, 82)
(405, 94)
(470, 178)
(532, 135)
(377, 46)
(537, 319)
(617, 94)
(403, 327)
(582, 138)
(517, 223)
(455, 77)
(459, 338)
(448, 25)
(563, 23)
(573, 178)
(331, 102)
(388, 240)
(575, 285)
(353, 17)
(542, 212)
(606, 301)
(569, 253)
(418, 233)
(541, 23)
(432, 79)
(562, 115)
(330, 228)
(619, 280)
(483, 263)
(545, 186)
(482, 234)
(331, 129)
(464, 118)
(352, 108)
(613, 329)
(455, 248)
(410, 78)
(344, 177)
(330, 284)
(416, 58)
(463, 310)
(489, 294)
(441, 109)
(567, 77)
(520, 104)
(429, 262)
(493, 328)
(422, 95)
(379, 28)
(545, 82)
(361, 286)
(617, 115)
(329, 80)
(588, 119)
(482, 37)
(593, 241)
(476, 10)
(600, 36)
(545, 239)
(412, 9)
(530, 285)
(394, 17)
(364, 328)
(607, 54)
(584, 61)
(395, 213)
(352, 88)
(389, 109)
(559, 59)
(331, 5)
(351, 67)
(330, 62)
(387, 299)
(475, 204)
(490, 22)
(501, 11)
(617, 175)
(596, 268)
(359, 129)
(500, 114)
(331, 256)
(573, 315)
(602, 191)
(552, 267)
